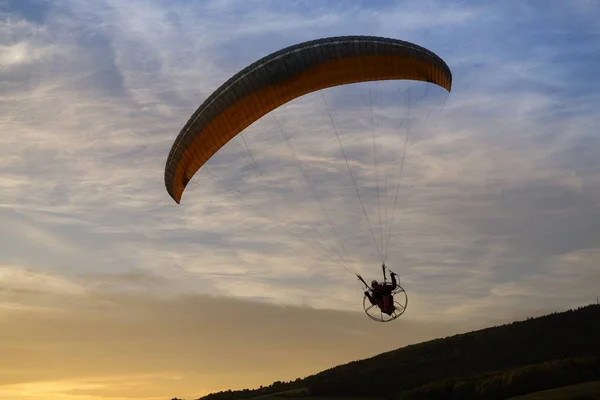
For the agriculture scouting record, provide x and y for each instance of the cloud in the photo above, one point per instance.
(17, 279)
(564, 282)
(91, 137)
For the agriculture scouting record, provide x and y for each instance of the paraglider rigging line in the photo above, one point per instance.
(398, 185)
(351, 176)
(294, 222)
(299, 165)
(249, 152)
(235, 193)
(402, 163)
(376, 164)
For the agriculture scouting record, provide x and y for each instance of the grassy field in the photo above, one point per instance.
(583, 391)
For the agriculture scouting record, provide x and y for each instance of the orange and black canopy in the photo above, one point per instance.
(285, 75)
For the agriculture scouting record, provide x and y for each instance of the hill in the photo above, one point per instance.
(498, 362)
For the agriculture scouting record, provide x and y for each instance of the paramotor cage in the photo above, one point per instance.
(400, 303)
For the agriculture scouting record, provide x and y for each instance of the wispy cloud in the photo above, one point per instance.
(87, 135)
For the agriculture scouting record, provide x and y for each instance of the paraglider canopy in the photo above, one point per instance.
(288, 74)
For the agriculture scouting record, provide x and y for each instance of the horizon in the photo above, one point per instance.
(128, 295)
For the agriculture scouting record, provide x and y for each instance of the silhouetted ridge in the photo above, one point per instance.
(566, 343)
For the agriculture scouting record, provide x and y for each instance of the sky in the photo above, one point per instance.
(110, 290)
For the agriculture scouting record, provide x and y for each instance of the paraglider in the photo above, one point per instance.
(288, 74)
